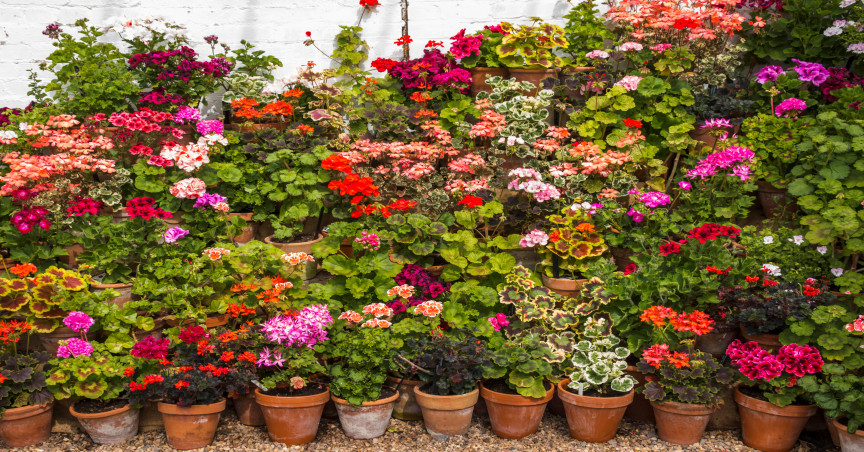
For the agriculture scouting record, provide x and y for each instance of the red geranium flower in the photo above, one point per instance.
(633, 123)
(471, 201)
(383, 64)
(369, 3)
(670, 248)
(403, 40)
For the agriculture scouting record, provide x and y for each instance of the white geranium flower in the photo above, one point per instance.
(847, 3)
(797, 239)
(832, 31)
(768, 240)
(822, 249)
(837, 272)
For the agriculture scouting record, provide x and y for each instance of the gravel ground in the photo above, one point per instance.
(411, 436)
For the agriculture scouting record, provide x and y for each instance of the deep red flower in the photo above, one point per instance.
(403, 40)
(471, 201)
(193, 334)
(383, 64)
(630, 268)
(632, 123)
(369, 3)
(670, 248)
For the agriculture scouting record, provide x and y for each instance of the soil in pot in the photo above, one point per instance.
(406, 407)
(681, 423)
(593, 417)
(293, 416)
(448, 415)
(369, 420)
(191, 427)
(849, 442)
(26, 426)
(513, 416)
(767, 427)
(111, 422)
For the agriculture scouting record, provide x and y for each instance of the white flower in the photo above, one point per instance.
(839, 23)
(584, 205)
(846, 3)
(856, 48)
(23, 126)
(837, 272)
(822, 249)
(771, 269)
(8, 134)
(832, 31)
(768, 240)
(797, 239)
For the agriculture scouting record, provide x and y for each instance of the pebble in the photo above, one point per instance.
(412, 437)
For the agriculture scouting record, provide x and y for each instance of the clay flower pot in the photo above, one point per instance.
(248, 410)
(768, 427)
(406, 407)
(292, 420)
(562, 286)
(478, 78)
(191, 427)
(248, 232)
(849, 442)
(593, 419)
(514, 416)
(775, 201)
(51, 341)
(125, 290)
(716, 342)
(447, 415)
(367, 421)
(681, 423)
(769, 342)
(310, 269)
(109, 427)
(26, 426)
(640, 410)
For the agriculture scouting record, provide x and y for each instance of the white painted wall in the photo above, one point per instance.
(276, 26)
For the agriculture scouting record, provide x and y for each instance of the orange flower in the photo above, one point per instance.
(23, 270)
(420, 97)
(425, 114)
(303, 128)
(296, 92)
(181, 384)
(585, 227)
(279, 108)
(657, 315)
(679, 360)
(248, 357)
(226, 356)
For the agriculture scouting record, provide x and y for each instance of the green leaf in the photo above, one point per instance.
(651, 86)
(340, 265)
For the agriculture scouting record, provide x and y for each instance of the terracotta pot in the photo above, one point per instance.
(775, 201)
(514, 416)
(849, 442)
(768, 427)
(292, 420)
(704, 136)
(248, 232)
(367, 421)
(125, 290)
(535, 76)
(640, 410)
(26, 426)
(832, 430)
(210, 322)
(593, 419)
(406, 407)
(310, 269)
(248, 410)
(51, 341)
(435, 270)
(447, 415)
(566, 287)
(346, 248)
(478, 78)
(681, 423)
(71, 257)
(716, 342)
(109, 427)
(769, 342)
(191, 427)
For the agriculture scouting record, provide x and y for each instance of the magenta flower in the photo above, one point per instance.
(499, 321)
(796, 105)
(465, 46)
(636, 215)
(769, 74)
(306, 329)
(151, 348)
(212, 127)
(654, 199)
(800, 360)
(811, 72)
(78, 321)
(174, 234)
(684, 185)
(74, 347)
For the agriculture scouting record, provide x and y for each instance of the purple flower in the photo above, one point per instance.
(174, 234)
(791, 103)
(213, 127)
(52, 31)
(769, 74)
(78, 321)
(74, 347)
(811, 72)
(185, 113)
(209, 200)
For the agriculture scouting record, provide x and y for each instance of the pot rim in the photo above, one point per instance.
(426, 394)
(172, 408)
(366, 403)
(406, 381)
(61, 331)
(592, 401)
(291, 401)
(111, 286)
(102, 414)
(515, 399)
(763, 406)
(691, 409)
(23, 412)
(841, 429)
(317, 239)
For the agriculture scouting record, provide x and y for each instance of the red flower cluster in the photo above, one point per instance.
(140, 149)
(383, 64)
(630, 268)
(369, 3)
(632, 123)
(338, 163)
(11, 331)
(143, 207)
(81, 205)
(151, 348)
(686, 22)
(471, 201)
(216, 371)
(711, 231)
(404, 40)
(656, 354)
(670, 248)
(811, 291)
(193, 334)
(356, 186)
(237, 310)
(718, 271)
(696, 322)
(657, 315)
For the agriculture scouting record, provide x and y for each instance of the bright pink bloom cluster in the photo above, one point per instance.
(143, 120)
(151, 348)
(368, 241)
(305, 329)
(26, 219)
(735, 157)
(144, 207)
(82, 205)
(465, 46)
(78, 321)
(857, 326)
(796, 105)
(74, 347)
(499, 321)
(758, 364)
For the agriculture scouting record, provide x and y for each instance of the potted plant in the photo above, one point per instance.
(598, 391)
(529, 51)
(188, 383)
(362, 351)
(573, 244)
(292, 411)
(584, 31)
(536, 339)
(684, 384)
(97, 377)
(761, 306)
(770, 403)
(797, 258)
(476, 52)
(718, 115)
(449, 366)
(25, 403)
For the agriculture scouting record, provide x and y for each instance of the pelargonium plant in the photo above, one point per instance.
(426, 287)
(22, 375)
(600, 363)
(572, 243)
(774, 376)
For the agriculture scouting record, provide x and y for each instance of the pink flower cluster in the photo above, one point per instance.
(174, 234)
(491, 122)
(24, 170)
(189, 188)
(151, 348)
(143, 120)
(145, 207)
(188, 157)
(758, 364)
(499, 321)
(534, 238)
(26, 219)
(857, 326)
(796, 105)
(654, 199)
(467, 163)
(305, 329)
(465, 46)
(368, 241)
(629, 82)
(82, 205)
(78, 321)
(185, 113)
(529, 181)
(74, 347)
(736, 157)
